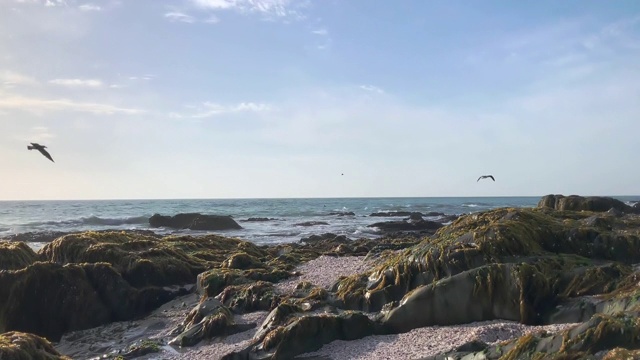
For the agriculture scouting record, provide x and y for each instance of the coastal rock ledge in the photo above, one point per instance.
(567, 262)
(194, 221)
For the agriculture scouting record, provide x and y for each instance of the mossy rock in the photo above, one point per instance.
(16, 255)
(286, 334)
(242, 261)
(210, 318)
(23, 346)
(48, 299)
(580, 203)
(144, 260)
(510, 235)
(258, 296)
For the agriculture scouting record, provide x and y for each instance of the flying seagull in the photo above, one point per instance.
(42, 150)
(486, 176)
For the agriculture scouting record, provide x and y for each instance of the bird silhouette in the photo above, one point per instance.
(486, 176)
(42, 150)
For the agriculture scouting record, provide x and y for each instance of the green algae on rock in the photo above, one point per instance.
(16, 255)
(49, 299)
(144, 260)
(23, 346)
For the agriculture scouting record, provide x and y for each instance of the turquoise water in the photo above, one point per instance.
(29, 216)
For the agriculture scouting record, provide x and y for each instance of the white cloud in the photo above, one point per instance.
(90, 7)
(45, 105)
(10, 78)
(322, 32)
(175, 16)
(210, 109)
(90, 83)
(268, 8)
(372, 88)
(51, 3)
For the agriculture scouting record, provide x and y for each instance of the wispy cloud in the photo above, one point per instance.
(176, 16)
(372, 88)
(90, 7)
(52, 3)
(38, 105)
(10, 78)
(322, 32)
(37, 134)
(289, 9)
(86, 83)
(210, 109)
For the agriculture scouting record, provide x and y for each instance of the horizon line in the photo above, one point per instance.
(300, 198)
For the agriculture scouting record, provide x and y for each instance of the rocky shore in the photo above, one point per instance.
(557, 281)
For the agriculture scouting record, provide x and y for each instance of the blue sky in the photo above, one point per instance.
(278, 98)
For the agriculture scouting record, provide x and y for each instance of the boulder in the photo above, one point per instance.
(207, 320)
(259, 219)
(49, 299)
(194, 221)
(419, 225)
(22, 346)
(16, 255)
(579, 203)
(311, 223)
(287, 333)
(145, 260)
(342, 213)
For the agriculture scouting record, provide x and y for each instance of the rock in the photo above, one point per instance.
(286, 334)
(326, 237)
(398, 213)
(194, 221)
(36, 236)
(207, 320)
(485, 293)
(48, 299)
(18, 346)
(616, 334)
(342, 213)
(258, 296)
(145, 260)
(242, 261)
(407, 226)
(579, 203)
(16, 255)
(311, 223)
(415, 217)
(259, 219)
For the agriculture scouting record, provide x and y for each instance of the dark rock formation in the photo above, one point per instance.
(611, 336)
(579, 203)
(209, 319)
(48, 299)
(36, 236)
(418, 225)
(144, 260)
(22, 346)
(16, 255)
(194, 221)
(311, 223)
(343, 213)
(259, 219)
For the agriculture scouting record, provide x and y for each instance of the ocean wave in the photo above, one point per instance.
(93, 220)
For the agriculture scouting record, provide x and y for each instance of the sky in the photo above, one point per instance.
(318, 98)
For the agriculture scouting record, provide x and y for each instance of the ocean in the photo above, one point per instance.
(72, 215)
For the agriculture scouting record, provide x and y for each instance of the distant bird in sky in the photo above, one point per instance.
(42, 150)
(341, 174)
(486, 176)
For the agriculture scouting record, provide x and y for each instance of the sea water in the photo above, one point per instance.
(286, 214)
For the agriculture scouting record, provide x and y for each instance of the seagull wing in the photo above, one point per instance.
(46, 154)
(491, 176)
(479, 179)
